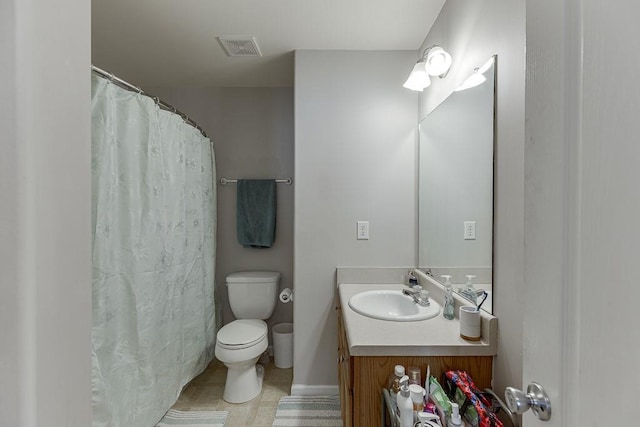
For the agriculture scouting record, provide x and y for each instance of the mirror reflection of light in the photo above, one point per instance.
(477, 78)
(483, 69)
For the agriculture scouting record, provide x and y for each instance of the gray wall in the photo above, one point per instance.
(355, 159)
(472, 32)
(45, 213)
(252, 131)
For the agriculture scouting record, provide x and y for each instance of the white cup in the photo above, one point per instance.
(470, 323)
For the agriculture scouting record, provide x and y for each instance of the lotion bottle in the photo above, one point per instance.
(405, 404)
(448, 310)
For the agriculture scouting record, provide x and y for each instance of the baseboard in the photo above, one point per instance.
(314, 390)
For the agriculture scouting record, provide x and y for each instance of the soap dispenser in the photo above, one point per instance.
(405, 404)
(449, 305)
(469, 291)
(455, 420)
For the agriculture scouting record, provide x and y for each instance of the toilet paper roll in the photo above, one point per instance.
(286, 295)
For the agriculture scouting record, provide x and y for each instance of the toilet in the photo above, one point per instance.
(239, 344)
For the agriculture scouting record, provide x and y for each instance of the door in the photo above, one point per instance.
(581, 337)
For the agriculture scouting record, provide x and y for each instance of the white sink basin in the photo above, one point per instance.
(391, 305)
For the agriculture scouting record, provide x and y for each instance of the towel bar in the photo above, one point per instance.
(225, 181)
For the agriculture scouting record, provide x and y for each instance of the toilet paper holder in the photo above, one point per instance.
(286, 295)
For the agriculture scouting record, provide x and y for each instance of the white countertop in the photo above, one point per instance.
(433, 337)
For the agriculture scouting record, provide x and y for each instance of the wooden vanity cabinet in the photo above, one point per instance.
(345, 374)
(362, 378)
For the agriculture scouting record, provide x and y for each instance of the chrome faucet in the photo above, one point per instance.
(419, 295)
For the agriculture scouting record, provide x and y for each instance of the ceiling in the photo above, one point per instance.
(172, 43)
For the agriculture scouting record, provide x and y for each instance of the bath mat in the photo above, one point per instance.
(193, 418)
(308, 411)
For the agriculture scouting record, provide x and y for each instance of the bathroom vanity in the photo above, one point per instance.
(368, 350)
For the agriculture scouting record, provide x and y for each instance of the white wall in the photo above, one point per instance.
(45, 187)
(472, 32)
(355, 159)
(252, 132)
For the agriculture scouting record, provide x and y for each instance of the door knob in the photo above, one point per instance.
(535, 398)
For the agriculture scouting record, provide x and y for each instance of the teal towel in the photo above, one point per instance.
(256, 212)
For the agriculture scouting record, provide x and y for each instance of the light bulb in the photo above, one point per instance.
(438, 61)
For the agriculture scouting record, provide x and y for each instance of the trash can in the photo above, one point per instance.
(283, 345)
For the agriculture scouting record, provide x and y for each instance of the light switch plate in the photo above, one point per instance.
(362, 230)
(469, 230)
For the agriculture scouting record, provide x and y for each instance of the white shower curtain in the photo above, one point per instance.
(154, 225)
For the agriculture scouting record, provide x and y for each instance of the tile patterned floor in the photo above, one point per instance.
(204, 393)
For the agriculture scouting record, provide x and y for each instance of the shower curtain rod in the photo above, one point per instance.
(168, 107)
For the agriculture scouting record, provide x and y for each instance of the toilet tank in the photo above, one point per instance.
(253, 294)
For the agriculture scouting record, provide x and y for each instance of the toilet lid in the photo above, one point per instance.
(242, 333)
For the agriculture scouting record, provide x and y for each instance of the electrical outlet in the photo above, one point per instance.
(469, 230)
(362, 230)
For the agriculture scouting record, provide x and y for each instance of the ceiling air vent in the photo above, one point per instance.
(240, 45)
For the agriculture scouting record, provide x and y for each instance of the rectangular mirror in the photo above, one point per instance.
(455, 191)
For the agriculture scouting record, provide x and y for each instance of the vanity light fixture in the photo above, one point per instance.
(435, 61)
(438, 61)
(477, 78)
(419, 78)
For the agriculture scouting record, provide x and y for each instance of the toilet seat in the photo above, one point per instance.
(242, 333)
